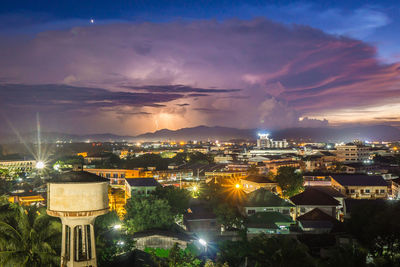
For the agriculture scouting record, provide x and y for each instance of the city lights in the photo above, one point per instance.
(203, 242)
(40, 165)
(117, 227)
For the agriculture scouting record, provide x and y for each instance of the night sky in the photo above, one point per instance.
(129, 67)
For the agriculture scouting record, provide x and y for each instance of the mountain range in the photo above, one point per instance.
(325, 134)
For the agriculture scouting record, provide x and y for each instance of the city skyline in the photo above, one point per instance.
(130, 69)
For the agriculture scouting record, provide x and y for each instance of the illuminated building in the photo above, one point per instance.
(27, 199)
(352, 153)
(264, 141)
(254, 182)
(18, 165)
(360, 186)
(120, 173)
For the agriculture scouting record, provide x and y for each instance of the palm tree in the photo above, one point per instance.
(28, 237)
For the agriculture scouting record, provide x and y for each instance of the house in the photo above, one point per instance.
(262, 200)
(316, 221)
(312, 198)
(254, 182)
(142, 186)
(360, 186)
(329, 190)
(269, 222)
(201, 220)
(164, 239)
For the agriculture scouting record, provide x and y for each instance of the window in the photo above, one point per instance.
(352, 191)
(115, 175)
(251, 211)
(108, 175)
(302, 209)
(367, 191)
(122, 175)
(285, 211)
(382, 191)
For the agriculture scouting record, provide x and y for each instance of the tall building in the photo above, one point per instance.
(352, 153)
(264, 141)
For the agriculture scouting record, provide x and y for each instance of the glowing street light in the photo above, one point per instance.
(237, 186)
(40, 165)
(195, 188)
(203, 242)
(117, 227)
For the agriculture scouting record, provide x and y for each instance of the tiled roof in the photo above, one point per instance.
(313, 197)
(359, 180)
(329, 191)
(199, 211)
(142, 182)
(258, 179)
(264, 198)
(316, 215)
(267, 219)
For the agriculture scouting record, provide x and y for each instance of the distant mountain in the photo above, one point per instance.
(199, 133)
(327, 134)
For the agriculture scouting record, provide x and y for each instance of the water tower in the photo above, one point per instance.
(77, 197)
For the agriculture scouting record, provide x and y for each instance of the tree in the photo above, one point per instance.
(145, 213)
(28, 237)
(375, 225)
(347, 256)
(178, 199)
(111, 241)
(177, 257)
(290, 181)
(278, 251)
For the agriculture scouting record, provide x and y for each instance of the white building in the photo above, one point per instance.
(264, 141)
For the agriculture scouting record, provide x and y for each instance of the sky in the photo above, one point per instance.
(129, 67)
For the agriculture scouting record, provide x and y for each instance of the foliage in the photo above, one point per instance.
(375, 225)
(111, 242)
(264, 250)
(178, 199)
(195, 157)
(177, 257)
(346, 256)
(5, 186)
(224, 204)
(28, 237)
(145, 213)
(228, 215)
(289, 180)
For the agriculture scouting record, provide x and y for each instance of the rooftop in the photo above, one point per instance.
(258, 179)
(142, 182)
(264, 198)
(313, 197)
(267, 220)
(359, 180)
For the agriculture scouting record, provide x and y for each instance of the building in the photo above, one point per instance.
(27, 199)
(18, 165)
(224, 175)
(262, 200)
(312, 198)
(317, 222)
(352, 153)
(161, 239)
(254, 182)
(201, 220)
(360, 185)
(272, 222)
(264, 141)
(274, 165)
(142, 186)
(120, 173)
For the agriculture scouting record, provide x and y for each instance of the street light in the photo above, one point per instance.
(40, 165)
(204, 244)
(117, 227)
(237, 186)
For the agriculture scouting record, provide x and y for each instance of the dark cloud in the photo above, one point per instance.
(64, 98)
(178, 89)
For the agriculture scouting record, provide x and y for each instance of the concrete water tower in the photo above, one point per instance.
(77, 197)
